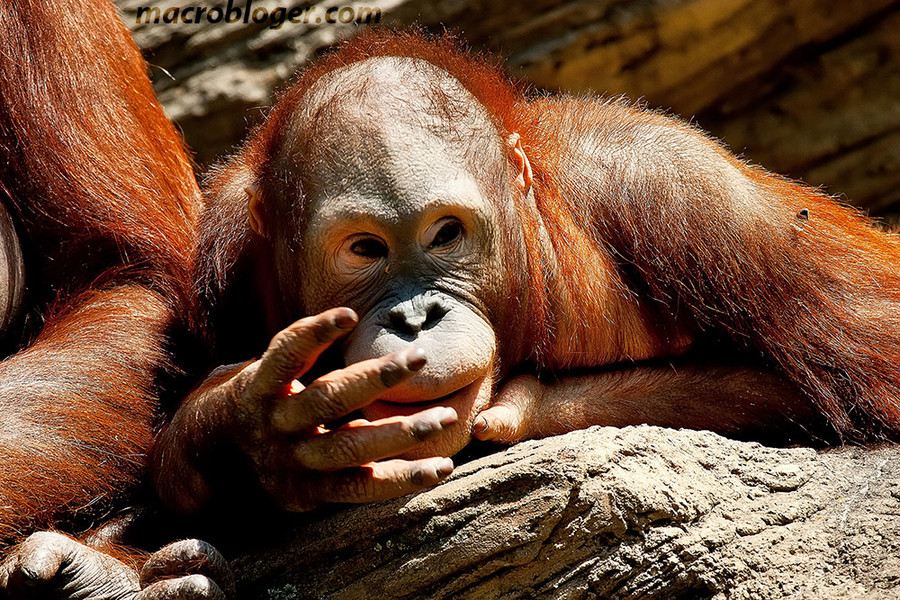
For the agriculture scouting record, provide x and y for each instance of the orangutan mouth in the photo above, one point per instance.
(455, 400)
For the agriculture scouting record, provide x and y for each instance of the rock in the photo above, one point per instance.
(807, 88)
(610, 513)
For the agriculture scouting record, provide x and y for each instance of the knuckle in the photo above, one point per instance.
(198, 584)
(249, 372)
(281, 341)
(183, 550)
(44, 543)
(391, 374)
(287, 349)
(192, 587)
(345, 449)
(321, 398)
(316, 328)
(46, 538)
(282, 358)
(194, 548)
(245, 380)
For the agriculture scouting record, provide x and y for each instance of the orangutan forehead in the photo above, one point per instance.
(388, 91)
(380, 106)
(398, 83)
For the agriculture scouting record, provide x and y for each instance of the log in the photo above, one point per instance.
(639, 512)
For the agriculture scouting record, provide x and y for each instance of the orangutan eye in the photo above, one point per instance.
(447, 234)
(371, 248)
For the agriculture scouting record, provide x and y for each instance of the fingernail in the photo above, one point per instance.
(415, 359)
(447, 416)
(345, 320)
(444, 467)
(480, 425)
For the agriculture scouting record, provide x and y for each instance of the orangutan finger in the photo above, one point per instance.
(354, 446)
(341, 392)
(382, 480)
(294, 349)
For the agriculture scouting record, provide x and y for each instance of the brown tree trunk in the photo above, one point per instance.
(640, 512)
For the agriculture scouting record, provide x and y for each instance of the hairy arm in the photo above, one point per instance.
(727, 399)
(769, 268)
(78, 407)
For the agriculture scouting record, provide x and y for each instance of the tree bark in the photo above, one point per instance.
(640, 512)
(807, 88)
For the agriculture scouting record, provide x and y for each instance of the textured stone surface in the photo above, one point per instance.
(808, 88)
(640, 512)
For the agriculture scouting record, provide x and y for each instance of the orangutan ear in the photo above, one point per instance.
(520, 162)
(255, 209)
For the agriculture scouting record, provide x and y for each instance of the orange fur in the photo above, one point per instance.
(105, 204)
(644, 239)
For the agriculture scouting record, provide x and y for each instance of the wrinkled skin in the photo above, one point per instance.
(279, 423)
(402, 230)
(51, 566)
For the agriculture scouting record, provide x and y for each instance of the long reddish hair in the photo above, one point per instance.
(668, 233)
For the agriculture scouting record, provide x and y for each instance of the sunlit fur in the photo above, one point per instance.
(643, 238)
(105, 203)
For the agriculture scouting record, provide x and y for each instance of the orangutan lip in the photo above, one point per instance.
(423, 402)
(461, 401)
(438, 400)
